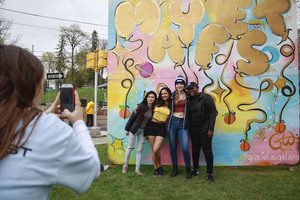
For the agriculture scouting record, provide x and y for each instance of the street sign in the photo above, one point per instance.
(51, 76)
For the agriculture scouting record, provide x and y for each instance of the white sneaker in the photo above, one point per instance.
(105, 167)
(138, 172)
(125, 169)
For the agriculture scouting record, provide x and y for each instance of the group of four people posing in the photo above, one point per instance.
(183, 112)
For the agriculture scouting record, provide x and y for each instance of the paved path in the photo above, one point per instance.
(100, 140)
(102, 124)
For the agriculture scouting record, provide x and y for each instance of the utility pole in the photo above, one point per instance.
(96, 60)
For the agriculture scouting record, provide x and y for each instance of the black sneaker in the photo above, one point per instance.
(195, 172)
(210, 178)
(161, 172)
(156, 173)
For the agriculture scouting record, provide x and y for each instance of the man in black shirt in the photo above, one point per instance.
(202, 115)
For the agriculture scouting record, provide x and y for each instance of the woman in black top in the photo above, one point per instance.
(202, 115)
(135, 127)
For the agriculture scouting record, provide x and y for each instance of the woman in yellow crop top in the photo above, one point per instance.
(155, 129)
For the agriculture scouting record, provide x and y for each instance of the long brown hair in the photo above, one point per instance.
(144, 104)
(21, 74)
(161, 102)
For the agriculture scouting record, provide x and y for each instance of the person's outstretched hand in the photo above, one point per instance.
(77, 114)
(210, 134)
(55, 108)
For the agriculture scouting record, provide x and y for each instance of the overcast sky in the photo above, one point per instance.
(92, 11)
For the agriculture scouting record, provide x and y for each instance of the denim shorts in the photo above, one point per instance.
(155, 129)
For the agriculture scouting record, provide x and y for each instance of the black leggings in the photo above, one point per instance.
(200, 139)
(89, 121)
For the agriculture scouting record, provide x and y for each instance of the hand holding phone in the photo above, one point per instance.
(77, 114)
(67, 97)
(55, 108)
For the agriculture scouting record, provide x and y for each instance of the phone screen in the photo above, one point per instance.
(67, 97)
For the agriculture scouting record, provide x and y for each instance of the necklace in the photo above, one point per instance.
(182, 97)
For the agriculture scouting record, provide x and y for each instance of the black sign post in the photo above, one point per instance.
(53, 76)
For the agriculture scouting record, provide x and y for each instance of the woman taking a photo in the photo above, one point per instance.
(135, 128)
(155, 129)
(38, 146)
(177, 127)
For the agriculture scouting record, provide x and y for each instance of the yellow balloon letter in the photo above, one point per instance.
(271, 10)
(165, 40)
(257, 62)
(124, 18)
(186, 21)
(209, 36)
(228, 14)
(146, 14)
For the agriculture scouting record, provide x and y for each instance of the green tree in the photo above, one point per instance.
(95, 41)
(79, 78)
(95, 45)
(103, 43)
(74, 36)
(5, 27)
(48, 59)
(61, 58)
(81, 72)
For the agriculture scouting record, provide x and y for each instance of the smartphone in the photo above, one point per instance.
(67, 97)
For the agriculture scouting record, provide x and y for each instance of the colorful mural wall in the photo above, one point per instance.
(241, 52)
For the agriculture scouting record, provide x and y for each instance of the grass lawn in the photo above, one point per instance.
(85, 93)
(275, 182)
